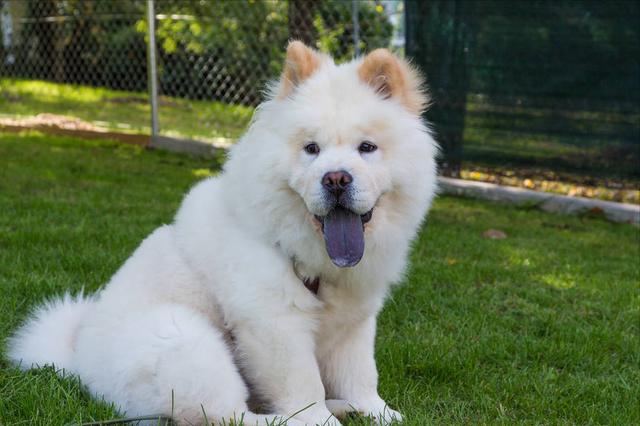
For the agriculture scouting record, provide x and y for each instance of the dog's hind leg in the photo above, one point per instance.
(166, 360)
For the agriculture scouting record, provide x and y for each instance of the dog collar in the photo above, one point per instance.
(312, 284)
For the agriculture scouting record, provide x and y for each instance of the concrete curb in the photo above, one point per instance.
(615, 212)
(187, 146)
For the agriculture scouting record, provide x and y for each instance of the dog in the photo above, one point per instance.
(267, 285)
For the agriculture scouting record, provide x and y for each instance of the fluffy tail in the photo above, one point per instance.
(47, 337)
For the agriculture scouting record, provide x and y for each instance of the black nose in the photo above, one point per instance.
(336, 182)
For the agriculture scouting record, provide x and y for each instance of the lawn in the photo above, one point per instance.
(542, 327)
(123, 111)
(568, 152)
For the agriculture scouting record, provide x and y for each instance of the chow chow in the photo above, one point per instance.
(262, 295)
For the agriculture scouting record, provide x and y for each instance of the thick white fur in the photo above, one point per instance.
(210, 308)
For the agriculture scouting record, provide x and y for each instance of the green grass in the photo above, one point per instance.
(123, 111)
(539, 328)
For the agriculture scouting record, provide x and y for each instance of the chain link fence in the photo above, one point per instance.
(542, 93)
(528, 93)
(213, 58)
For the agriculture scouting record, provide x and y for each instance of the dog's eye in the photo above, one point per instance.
(312, 148)
(367, 147)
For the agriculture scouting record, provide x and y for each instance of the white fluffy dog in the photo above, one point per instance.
(268, 283)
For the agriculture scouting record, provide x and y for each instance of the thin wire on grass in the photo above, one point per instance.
(204, 413)
(298, 412)
(162, 420)
(168, 420)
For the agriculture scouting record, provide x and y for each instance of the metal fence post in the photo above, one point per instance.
(356, 27)
(152, 70)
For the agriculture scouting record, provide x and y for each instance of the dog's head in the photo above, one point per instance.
(354, 136)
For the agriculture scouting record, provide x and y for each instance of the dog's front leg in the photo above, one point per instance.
(350, 375)
(277, 353)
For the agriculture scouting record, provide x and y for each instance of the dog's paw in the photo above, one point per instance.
(316, 417)
(289, 422)
(340, 408)
(378, 411)
(385, 416)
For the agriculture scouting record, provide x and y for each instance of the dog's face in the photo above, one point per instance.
(347, 137)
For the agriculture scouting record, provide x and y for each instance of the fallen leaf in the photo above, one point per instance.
(494, 234)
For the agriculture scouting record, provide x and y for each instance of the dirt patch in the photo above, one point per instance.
(69, 126)
(52, 120)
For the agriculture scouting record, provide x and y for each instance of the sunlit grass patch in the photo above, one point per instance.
(121, 110)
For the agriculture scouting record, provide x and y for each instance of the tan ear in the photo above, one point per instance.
(300, 63)
(391, 76)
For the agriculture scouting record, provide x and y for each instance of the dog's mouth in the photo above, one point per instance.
(343, 232)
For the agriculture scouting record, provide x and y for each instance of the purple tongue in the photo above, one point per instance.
(344, 237)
